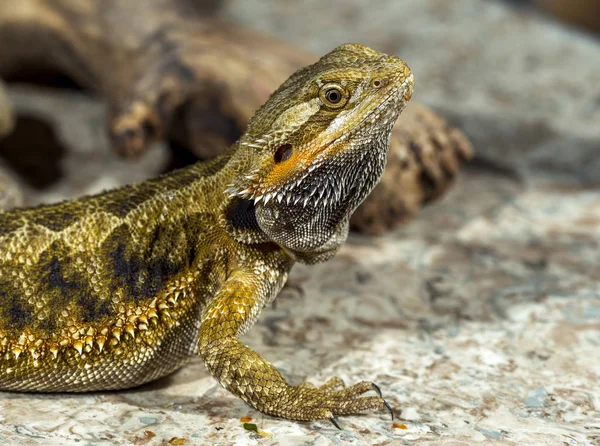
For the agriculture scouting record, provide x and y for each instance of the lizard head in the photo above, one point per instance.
(315, 150)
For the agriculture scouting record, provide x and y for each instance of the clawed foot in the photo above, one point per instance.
(307, 402)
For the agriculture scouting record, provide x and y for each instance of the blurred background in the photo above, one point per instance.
(582, 13)
(468, 52)
(470, 287)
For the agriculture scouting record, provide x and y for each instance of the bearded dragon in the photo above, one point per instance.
(118, 289)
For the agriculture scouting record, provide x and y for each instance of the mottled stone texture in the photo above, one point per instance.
(480, 319)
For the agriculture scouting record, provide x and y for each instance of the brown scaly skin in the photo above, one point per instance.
(118, 289)
(169, 67)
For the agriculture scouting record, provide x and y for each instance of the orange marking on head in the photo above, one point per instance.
(283, 170)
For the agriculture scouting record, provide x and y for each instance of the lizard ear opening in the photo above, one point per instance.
(283, 153)
(241, 214)
(243, 226)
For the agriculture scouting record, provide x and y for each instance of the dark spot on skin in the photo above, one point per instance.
(404, 164)
(55, 278)
(63, 285)
(93, 309)
(159, 272)
(48, 324)
(140, 277)
(156, 235)
(8, 224)
(127, 271)
(17, 312)
(66, 286)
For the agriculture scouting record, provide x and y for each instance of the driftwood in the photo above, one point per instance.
(169, 68)
(6, 113)
(10, 191)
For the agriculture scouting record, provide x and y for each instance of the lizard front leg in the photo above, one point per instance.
(249, 376)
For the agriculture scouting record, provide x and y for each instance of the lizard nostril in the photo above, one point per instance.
(283, 153)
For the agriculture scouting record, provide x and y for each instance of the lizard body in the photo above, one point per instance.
(118, 289)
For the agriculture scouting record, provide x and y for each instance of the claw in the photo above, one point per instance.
(385, 403)
(335, 422)
(388, 407)
(377, 389)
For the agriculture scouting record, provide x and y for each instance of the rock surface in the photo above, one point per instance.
(480, 320)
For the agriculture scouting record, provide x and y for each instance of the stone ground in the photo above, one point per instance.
(480, 320)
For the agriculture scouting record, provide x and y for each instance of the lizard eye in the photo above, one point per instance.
(283, 153)
(333, 96)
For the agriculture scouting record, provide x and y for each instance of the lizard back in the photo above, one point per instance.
(95, 276)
